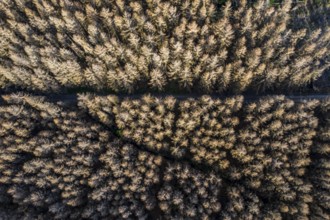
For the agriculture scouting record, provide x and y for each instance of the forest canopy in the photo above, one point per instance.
(128, 46)
(165, 109)
(100, 159)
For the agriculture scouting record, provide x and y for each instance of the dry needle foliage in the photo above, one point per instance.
(88, 161)
(320, 172)
(272, 153)
(127, 46)
(187, 193)
(205, 129)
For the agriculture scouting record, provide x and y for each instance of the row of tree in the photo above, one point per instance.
(57, 161)
(125, 46)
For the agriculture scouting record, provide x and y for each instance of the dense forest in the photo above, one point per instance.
(201, 158)
(154, 45)
(165, 109)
